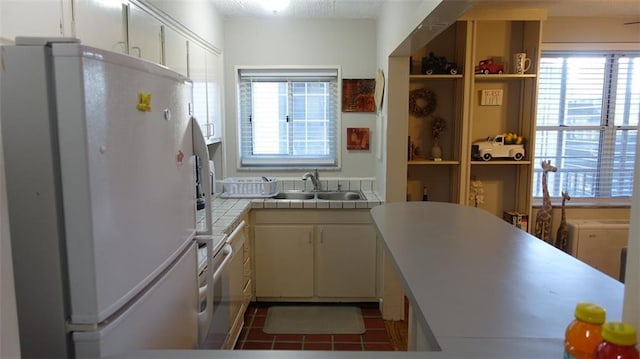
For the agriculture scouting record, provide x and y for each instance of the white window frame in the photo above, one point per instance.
(609, 130)
(277, 163)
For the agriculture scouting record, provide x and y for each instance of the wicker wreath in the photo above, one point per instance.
(422, 102)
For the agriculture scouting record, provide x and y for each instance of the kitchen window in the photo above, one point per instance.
(587, 123)
(288, 117)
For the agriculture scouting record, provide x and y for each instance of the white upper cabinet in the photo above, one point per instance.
(198, 74)
(132, 27)
(204, 71)
(18, 18)
(174, 50)
(144, 35)
(100, 24)
(214, 96)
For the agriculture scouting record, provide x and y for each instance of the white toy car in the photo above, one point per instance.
(495, 147)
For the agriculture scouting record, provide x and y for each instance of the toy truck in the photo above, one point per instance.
(488, 66)
(438, 65)
(495, 147)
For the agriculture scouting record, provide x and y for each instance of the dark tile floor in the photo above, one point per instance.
(375, 336)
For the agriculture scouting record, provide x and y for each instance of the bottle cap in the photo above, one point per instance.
(619, 333)
(590, 313)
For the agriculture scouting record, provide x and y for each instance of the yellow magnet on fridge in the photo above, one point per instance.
(144, 102)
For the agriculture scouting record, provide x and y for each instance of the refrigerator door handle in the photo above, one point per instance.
(200, 150)
(205, 317)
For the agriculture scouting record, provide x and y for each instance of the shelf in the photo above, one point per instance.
(494, 77)
(507, 182)
(431, 162)
(437, 76)
(504, 162)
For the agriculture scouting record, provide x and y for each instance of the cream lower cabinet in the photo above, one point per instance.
(302, 255)
(346, 261)
(284, 261)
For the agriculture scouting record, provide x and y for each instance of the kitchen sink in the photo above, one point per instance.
(340, 196)
(330, 195)
(295, 195)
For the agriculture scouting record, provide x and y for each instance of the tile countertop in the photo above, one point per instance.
(227, 213)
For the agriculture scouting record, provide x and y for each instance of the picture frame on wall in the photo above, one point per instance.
(358, 95)
(358, 138)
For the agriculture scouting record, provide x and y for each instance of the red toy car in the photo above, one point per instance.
(488, 67)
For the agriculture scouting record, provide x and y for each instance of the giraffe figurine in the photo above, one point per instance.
(543, 217)
(563, 232)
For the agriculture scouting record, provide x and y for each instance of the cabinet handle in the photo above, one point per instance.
(133, 48)
(321, 236)
(310, 238)
(122, 45)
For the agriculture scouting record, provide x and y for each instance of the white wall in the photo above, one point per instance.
(392, 29)
(631, 308)
(350, 44)
(589, 30)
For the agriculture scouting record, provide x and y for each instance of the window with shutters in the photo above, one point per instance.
(587, 123)
(288, 117)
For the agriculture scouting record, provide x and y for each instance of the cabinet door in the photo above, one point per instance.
(19, 18)
(198, 74)
(346, 261)
(144, 35)
(283, 261)
(214, 96)
(174, 49)
(101, 24)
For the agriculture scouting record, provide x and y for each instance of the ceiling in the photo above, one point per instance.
(327, 9)
(369, 9)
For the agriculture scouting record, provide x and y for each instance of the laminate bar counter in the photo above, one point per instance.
(477, 287)
(473, 278)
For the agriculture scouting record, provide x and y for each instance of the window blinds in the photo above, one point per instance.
(587, 118)
(288, 117)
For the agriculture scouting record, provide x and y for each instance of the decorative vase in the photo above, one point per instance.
(436, 150)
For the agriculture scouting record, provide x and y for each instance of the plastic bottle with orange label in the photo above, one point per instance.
(619, 342)
(585, 332)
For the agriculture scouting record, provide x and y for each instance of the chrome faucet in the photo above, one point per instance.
(315, 179)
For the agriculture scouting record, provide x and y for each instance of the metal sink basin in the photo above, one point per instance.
(340, 196)
(295, 195)
(329, 196)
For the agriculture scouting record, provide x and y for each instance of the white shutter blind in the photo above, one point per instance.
(288, 117)
(625, 114)
(587, 122)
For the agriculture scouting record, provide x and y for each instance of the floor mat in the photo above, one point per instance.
(314, 320)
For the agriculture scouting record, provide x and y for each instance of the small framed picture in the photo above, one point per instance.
(358, 138)
(358, 95)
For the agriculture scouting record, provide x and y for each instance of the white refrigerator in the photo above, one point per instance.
(100, 174)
